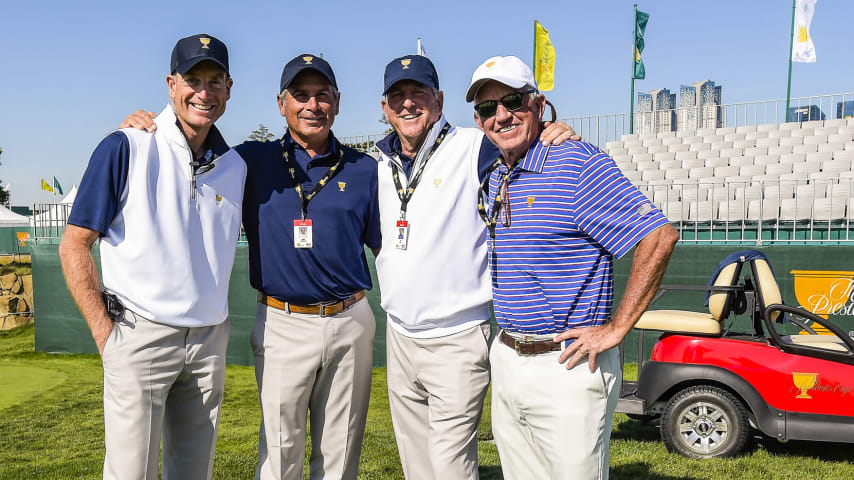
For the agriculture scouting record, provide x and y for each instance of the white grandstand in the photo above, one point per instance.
(785, 176)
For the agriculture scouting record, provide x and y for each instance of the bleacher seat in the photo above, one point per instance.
(826, 131)
(701, 172)
(739, 161)
(642, 157)
(778, 168)
(686, 155)
(779, 134)
(705, 132)
(752, 192)
(812, 124)
(795, 209)
(651, 142)
(793, 157)
(803, 132)
(840, 138)
(634, 176)
(722, 172)
(724, 130)
(665, 135)
(789, 126)
(693, 163)
(763, 210)
(767, 142)
(650, 174)
(678, 147)
(656, 149)
(751, 170)
(781, 190)
(811, 190)
(731, 211)
(670, 141)
(791, 140)
(804, 148)
(670, 164)
(704, 154)
(767, 160)
(734, 137)
(756, 151)
(721, 145)
(698, 147)
(767, 127)
(827, 209)
(663, 156)
(731, 152)
(717, 162)
(713, 138)
(831, 147)
(746, 143)
(674, 211)
(780, 149)
(808, 167)
(802, 177)
(815, 140)
(700, 211)
(836, 122)
(675, 173)
(745, 129)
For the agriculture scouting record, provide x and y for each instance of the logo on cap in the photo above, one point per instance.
(308, 60)
(405, 62)
(490, 64)
(342, 185)
(205, 41)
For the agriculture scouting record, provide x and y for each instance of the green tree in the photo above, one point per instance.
(261, 134)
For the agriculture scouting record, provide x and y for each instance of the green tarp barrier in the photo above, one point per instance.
(60, 328)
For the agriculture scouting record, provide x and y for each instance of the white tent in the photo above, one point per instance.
(9, 218)
(57, 214)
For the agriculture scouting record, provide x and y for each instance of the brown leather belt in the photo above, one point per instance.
(529, 347)
(323, 309)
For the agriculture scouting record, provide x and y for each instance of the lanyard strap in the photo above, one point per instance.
(404, 194)
(289, 163)
(492, 218)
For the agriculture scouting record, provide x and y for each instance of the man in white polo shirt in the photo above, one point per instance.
(432, 273)
(165, 207)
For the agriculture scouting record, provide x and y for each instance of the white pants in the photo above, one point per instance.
(550, 422)
(321, 365)
(162, 380)
(436, 388)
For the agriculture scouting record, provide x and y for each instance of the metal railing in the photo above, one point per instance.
(600, 129)
(49, 222)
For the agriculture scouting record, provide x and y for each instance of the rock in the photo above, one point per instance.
(28, 284)
(7, 259)
(8, 281)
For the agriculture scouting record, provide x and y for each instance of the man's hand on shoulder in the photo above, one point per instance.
(140, 120)
(557, 132)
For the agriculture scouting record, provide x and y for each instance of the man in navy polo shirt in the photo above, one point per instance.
(165, 208)
(429, 176)
(309, 209)
(557, 217)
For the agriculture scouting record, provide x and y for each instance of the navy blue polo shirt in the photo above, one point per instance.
(345, 218)
(104, 182)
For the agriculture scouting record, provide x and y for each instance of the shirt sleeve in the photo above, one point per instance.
(103, 183)
(610, 209)
(372, 236)
(488, 153)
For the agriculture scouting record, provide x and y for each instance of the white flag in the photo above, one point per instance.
(803, 49)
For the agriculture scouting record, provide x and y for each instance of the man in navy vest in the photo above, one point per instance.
(165, 208)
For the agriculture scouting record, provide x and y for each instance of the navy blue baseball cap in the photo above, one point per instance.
(304, 62)
(189, 51)
(410, 67)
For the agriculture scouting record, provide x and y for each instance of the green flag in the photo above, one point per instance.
(57, 186)
(640, 26)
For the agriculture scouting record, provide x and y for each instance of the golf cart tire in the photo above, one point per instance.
(705, 422)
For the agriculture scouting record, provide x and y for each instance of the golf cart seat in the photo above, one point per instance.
(826, 342)
(699, 323)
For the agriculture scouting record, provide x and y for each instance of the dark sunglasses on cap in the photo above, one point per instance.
(512, 102)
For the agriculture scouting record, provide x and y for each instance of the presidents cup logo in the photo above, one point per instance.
(205, 41)
(804, 383)
(825, 293)
(405, 62)
(341, 186)
(307, 60)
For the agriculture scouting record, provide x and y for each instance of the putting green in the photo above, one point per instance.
(21, 383)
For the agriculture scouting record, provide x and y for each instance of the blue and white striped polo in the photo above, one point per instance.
(571, 211)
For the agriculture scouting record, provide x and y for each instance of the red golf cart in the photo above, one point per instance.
(710, 385)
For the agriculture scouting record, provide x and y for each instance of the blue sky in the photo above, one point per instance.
(71, 71)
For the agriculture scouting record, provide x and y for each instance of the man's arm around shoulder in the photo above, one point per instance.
(81, 276)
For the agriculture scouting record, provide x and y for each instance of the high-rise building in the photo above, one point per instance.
(845, 109)
(656, 111)
(805, 113)
(700, 106)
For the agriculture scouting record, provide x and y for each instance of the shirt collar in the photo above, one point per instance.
(390, 144)
(333, 150)
(535, 159)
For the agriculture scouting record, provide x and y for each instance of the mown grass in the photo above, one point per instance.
(57, 433)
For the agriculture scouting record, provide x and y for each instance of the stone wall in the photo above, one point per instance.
(16, 292)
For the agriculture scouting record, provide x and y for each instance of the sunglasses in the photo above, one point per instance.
(512, 102)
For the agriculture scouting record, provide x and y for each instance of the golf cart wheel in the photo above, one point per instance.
(704, 422)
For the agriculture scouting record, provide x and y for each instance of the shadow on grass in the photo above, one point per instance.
(636, 430)
(826, 451)
(490, 472)
(641, 471)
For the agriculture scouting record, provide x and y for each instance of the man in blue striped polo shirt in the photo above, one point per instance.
(557, 217)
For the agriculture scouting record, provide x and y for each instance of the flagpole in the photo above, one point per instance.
(791, 46)
(632, 96)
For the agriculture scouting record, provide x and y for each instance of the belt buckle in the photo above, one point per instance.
(525, 339)
(322, 309)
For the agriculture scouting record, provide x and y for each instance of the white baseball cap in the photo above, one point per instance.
(510, 71)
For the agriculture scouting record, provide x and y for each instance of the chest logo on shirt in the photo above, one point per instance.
(341, 186)
(644, 209)
(531, 201)
(218, 200)
(436, 182)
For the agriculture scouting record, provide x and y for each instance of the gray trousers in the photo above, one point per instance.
(436, 388)
(317, 368)
(162, 381)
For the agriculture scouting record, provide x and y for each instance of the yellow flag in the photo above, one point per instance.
(46, 186)
(544, 58)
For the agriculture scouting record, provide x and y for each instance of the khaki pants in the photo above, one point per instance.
(550, 422)
(162, 380)
(436, 388)
(318, 365)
